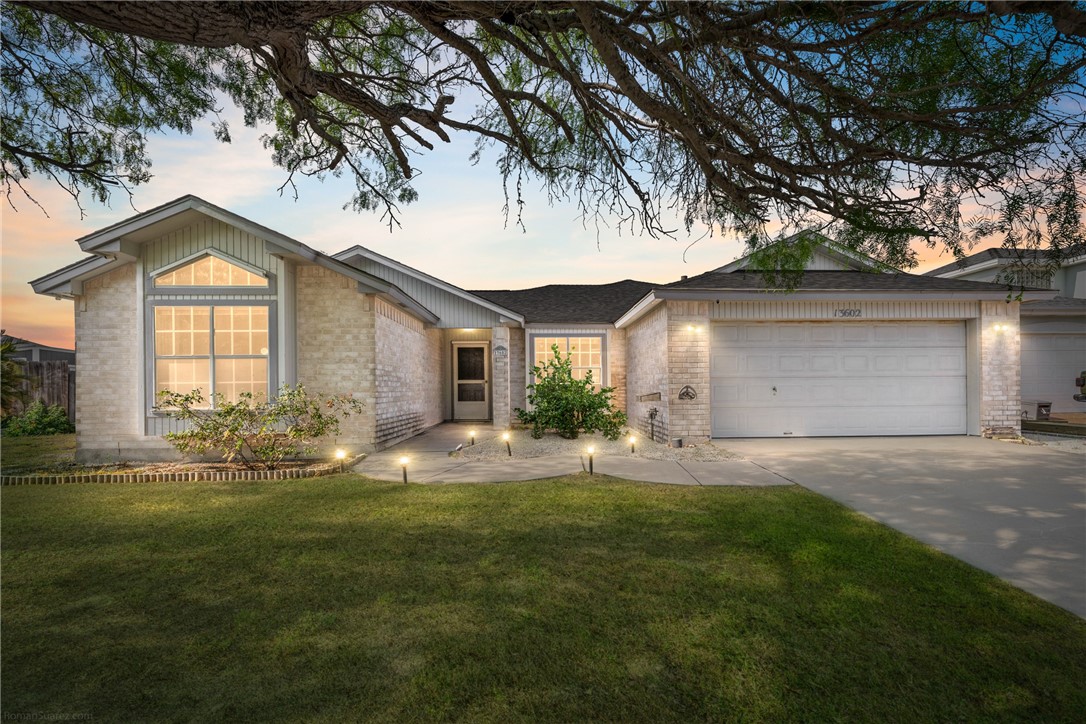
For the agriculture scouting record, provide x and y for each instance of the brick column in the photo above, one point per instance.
(1000, 360)
(499, 382)
(688, 369)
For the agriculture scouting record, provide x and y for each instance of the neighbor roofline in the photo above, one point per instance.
(710, 294)
(359, 250)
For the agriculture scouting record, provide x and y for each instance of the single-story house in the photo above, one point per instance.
(1053, 331)
(191, 295)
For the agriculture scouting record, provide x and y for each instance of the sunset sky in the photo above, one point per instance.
(455, 231)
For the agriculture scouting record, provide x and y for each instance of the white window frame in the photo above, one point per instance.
(534, 334)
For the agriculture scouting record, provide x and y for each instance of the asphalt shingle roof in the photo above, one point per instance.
(571, 303)
(845, 281)
(1018, 254)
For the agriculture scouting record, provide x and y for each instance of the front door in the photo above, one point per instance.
(471, 389)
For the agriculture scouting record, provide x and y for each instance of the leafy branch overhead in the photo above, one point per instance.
(876, 120)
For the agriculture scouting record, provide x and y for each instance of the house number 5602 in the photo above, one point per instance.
(848, 313)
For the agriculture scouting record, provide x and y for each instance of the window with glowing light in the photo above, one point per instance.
(585, 353)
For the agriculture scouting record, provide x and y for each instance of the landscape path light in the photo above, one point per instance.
(591, 451)
(632, 441)
(403, 464)
(505, 436)
(341, 455)
(472, 433)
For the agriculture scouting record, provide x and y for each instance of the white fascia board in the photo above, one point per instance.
(983, 266)
(365, 253)
(647, 303)
(823, 295)
(595, 326)
(67, 282)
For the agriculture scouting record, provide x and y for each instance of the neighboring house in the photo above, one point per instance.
(33, 352)
(190, 295)
(1053, 330)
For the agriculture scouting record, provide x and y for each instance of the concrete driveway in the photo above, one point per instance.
(1014, 510)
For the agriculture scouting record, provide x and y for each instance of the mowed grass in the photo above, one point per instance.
(36, 453)
(573, 599)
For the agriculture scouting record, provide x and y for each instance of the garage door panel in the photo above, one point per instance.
(896, 378)
(1050, 363)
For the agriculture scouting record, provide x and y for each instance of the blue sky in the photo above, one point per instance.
(455, 231)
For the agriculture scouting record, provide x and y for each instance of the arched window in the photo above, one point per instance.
(210, 271)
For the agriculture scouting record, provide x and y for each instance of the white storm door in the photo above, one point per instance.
(471, 386)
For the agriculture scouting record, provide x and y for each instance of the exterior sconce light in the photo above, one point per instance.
(505, 437)
(341, 455)
(591, 451)
(403, 464)
(1001, 327)
(632, 441)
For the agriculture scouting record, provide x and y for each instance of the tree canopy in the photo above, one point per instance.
(874, 121)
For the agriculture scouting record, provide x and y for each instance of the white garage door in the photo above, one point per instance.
(1050, 364)
(811, 379)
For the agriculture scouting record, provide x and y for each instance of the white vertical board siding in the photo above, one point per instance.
(208, 234)
(838, 379)
(453, 311)
(825, 311)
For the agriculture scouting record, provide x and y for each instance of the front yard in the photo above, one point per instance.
(565, 600)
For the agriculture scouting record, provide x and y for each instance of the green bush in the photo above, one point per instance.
(567, 405)
(255, 431)
(39, 420)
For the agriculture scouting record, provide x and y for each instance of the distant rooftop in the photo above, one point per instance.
(571, 303)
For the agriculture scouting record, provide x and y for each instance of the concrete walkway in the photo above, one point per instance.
(437, 467)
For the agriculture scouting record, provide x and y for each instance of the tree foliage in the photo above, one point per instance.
(12, 378)
(255, 431)
(877, 122)
(569, 406)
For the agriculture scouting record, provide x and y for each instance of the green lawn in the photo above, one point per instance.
(37, 453)
(573, 599)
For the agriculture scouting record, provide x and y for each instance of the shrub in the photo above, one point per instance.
(567, 405)
(257, 432)
(39, 420)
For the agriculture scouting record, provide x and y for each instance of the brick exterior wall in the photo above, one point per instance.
(1000, 352)
(616, 366)
(517, 374)
(337, 347)
(408, 368)
(646, 372)
(107, 413)
(501, 377)
(688, 366)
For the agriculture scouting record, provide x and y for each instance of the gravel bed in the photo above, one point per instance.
(524, 445)
(1059, 442)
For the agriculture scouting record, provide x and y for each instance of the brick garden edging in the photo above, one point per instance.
(195, 476)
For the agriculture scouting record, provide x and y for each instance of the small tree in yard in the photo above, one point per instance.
(569, 406)
(258, 433)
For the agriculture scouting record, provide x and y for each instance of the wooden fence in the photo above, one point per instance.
(53, 383)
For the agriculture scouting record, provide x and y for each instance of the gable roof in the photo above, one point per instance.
(822, 244)
(358, 251)
(844, 281)
(119, 243)
(571, 303)
(1000, 256)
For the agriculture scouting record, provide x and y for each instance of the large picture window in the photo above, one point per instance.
(217, 349)
(585, 353)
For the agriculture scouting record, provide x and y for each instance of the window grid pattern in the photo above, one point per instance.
(215, 349)
(585, 354)
(1028, 277)
(210, 271)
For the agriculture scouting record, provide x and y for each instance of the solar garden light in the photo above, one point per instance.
(472, 433)
(341, 455)
(403, 464)
(505, 436)
(591, 450)
(632, 441)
